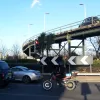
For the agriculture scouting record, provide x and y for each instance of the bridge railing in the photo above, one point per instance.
(55, 31)
(58, 30)
(64, 28)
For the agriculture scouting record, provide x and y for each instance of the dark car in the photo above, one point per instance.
(6, 74)
(89, 20)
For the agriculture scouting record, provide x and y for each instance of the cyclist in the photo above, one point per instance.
(60, 71)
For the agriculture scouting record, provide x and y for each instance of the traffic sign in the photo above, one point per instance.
(73, 60)
(54, 60)
(50, 60)
(80, 60)
(43, 61)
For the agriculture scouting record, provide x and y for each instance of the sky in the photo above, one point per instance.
(22, 19)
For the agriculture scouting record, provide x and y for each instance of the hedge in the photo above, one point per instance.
(21, 61)
(96, 63)
(33, 64)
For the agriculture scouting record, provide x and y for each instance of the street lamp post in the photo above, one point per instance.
(29, 36)
(84, 10)
(45, 21)
(85, 18)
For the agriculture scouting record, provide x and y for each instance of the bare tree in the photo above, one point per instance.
(95, 41)
(3, 51)
(16, 51)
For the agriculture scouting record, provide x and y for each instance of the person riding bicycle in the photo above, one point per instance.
(60, 71)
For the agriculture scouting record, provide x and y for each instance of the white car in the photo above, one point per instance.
(26, 75)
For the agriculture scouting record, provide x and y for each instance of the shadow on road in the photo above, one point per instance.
(97, 86)
(85, 90)
(17, 91)
(56, 92)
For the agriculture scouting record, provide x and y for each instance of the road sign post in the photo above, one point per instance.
(90, 68)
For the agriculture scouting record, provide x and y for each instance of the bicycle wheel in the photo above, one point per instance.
(70, 85)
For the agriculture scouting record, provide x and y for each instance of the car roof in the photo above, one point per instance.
(91, 17)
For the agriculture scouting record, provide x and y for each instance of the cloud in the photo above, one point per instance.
(35, 2)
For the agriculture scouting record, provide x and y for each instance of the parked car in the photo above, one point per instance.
(26, 75)
(6, 74)
(89, 21)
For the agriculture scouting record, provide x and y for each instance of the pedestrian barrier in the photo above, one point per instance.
(88, 74)
(79, 74)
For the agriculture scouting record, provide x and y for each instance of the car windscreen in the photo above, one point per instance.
(25, 69)
(4, 65)
(95, 18)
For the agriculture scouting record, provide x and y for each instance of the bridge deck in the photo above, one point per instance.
(78, 33)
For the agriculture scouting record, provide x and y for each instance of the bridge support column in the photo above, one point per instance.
(29, 51)
(83, 47)
(69, 48)
(59, 48)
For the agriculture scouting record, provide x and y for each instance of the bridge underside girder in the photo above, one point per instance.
(30, 51)
(69, 49)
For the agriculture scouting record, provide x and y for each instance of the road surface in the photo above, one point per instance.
(34, 91)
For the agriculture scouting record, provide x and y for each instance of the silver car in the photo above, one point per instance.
(24, 74)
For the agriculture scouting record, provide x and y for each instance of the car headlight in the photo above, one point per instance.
(35, 74)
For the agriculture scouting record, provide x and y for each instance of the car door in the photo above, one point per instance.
(95, 20)
(20, 73)
(14, 70)
(83, 23)
(17, 73)
(89, 21)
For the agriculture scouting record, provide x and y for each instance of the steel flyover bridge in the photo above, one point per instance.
(64, 32)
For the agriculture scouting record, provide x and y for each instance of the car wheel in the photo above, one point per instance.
(26, 79)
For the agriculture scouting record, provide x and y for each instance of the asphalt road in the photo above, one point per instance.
(34, 91)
